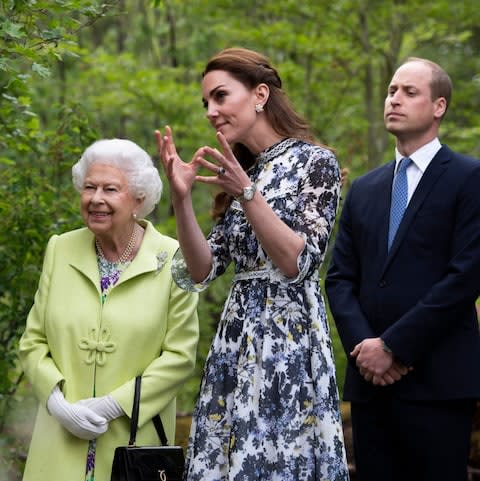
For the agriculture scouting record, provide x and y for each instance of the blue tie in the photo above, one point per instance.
(399, 199)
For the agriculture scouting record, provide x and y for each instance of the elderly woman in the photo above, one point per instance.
(106, 310)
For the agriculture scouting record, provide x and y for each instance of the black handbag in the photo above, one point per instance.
(147, 463)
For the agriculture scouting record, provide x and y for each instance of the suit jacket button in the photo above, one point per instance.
(382, 283)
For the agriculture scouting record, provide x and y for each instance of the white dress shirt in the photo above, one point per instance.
(421, 158)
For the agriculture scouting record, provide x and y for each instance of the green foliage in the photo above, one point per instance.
(37, 200)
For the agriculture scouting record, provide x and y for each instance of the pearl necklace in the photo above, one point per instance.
(126, 253)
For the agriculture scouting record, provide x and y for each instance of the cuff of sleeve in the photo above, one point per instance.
(113, 407)
(386, 348)
(182, 277)
(304, 264)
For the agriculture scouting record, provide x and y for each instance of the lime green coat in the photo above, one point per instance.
(146, 326)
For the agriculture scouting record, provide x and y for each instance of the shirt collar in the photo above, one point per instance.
(423, 156)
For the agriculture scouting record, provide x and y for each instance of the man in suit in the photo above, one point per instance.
(402, 289)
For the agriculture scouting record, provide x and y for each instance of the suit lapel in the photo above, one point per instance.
(435, 169)
(384, 193)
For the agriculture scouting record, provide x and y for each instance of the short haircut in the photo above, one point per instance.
(441, 84)
(143, 178)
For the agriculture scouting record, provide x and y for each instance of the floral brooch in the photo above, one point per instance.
(161, 261)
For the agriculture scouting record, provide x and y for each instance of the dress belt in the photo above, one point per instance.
(247, 275)
(269, 274)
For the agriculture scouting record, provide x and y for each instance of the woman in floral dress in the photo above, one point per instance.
(268, 407)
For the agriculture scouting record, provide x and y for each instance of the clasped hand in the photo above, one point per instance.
(80, 420)
(377, 365)
(86, 419)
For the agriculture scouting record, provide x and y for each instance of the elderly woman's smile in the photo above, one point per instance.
(108, 206)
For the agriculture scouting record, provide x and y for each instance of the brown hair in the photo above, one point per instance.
(251, 69)
(441, 84)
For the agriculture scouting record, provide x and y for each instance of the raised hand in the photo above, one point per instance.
(181, 175)
(230, 176)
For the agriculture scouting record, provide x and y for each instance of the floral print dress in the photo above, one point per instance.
(268, 407)
(109, 276)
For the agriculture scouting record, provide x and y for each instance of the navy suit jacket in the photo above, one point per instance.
(420, 296)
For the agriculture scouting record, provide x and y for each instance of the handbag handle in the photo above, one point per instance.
(157, 421)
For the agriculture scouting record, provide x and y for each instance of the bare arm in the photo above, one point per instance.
(193, 244)
(181, 177)
(281, 243)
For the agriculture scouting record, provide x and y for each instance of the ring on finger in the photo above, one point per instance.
(221, 171)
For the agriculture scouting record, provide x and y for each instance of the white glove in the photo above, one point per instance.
(104, 406)
(79, 420)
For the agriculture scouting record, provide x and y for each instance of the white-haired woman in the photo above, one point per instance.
(106, 310)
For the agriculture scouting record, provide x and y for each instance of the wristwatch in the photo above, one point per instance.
(247, 194)
(385, 347)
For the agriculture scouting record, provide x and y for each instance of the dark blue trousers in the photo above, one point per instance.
(400, 440)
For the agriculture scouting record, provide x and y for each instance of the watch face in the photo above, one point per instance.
(248, 193)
